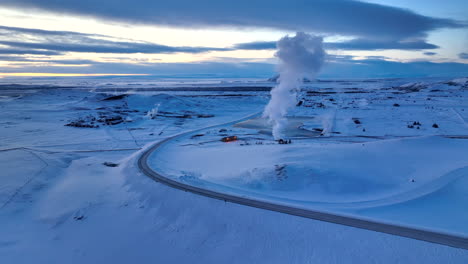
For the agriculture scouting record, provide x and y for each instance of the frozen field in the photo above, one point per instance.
(70, 191)
(391, 153)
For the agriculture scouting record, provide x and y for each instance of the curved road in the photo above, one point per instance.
(410, 232)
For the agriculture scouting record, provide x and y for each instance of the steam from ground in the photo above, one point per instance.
(300, 57)
(153, 112)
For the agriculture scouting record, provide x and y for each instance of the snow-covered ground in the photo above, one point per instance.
(375, 149)
(73, 194)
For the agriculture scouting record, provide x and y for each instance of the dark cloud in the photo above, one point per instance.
(56, 42)
(367, 44)
(104, 46)
(4, 30)
(344, 17)
(13, 58)
(376, 58)
(45, 60)
(257, 45)
(71, 62)
(429, 53)
(463, 55)
(27, 51)
(355, 44)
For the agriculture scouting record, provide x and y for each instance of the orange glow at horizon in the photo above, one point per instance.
(43, 74)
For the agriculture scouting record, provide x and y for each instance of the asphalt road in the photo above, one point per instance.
(410, 232)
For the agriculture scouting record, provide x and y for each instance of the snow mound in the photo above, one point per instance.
(459, 82)
(412, 86)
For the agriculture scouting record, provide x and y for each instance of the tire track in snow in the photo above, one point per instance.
(460, 117)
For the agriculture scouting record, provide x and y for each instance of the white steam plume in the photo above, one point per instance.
(153, 113)
(300, 57)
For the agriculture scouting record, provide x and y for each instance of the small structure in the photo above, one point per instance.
(284, 141)
(229, 139)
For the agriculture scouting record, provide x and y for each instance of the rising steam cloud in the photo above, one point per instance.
(300, 57)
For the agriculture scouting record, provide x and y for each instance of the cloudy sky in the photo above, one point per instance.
(373, 38)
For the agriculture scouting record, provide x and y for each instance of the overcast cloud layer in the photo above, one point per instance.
(344, 17)
(373, 27)
(48, 42)
(355, 44)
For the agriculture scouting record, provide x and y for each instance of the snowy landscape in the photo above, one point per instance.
(391, 150)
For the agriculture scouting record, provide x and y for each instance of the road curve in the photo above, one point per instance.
(447, 239)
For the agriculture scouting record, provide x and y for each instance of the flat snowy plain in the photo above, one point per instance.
(393, 150)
